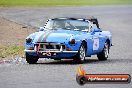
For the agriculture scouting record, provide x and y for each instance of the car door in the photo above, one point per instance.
(97, 39)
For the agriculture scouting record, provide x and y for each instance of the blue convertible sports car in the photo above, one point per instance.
(73, 38)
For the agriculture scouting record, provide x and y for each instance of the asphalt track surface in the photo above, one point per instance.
(61, 74)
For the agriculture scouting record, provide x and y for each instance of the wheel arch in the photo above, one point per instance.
(108, 41)
(85, 44)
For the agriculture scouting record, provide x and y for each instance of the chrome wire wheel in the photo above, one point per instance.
(82, 53)
(80, 56)
(106, 50)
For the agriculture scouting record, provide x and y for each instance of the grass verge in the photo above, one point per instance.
(12, 50)
(62, 2)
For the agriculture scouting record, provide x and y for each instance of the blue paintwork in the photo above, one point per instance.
(63, 36)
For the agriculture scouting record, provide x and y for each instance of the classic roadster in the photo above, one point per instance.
(68, 38)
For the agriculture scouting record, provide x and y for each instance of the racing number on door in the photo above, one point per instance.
(95, 43)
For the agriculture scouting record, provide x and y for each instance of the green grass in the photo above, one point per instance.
(6, 51)
(62, 2)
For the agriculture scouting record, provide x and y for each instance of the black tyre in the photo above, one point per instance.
(57, 59)
(104, 54)
(31, 59)
(80, 57)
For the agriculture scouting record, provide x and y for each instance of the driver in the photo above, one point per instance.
(59, 24)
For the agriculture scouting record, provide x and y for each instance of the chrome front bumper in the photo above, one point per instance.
(51, 51)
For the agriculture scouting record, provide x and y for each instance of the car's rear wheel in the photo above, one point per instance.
(31, 59)
(105, 52)
(80, 57)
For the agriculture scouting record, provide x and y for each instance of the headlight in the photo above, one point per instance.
(28, 40)
(72, 40)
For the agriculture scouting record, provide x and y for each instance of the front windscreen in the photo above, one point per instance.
(66, 24)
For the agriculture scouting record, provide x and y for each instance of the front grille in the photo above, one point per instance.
(49, 46)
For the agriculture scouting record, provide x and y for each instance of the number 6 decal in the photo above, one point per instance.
(95, 43)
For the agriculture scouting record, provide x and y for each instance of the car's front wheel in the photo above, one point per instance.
(31, 59)
(105, 52)
(80, 57)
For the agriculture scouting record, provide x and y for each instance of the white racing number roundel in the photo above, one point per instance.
(95, 43)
